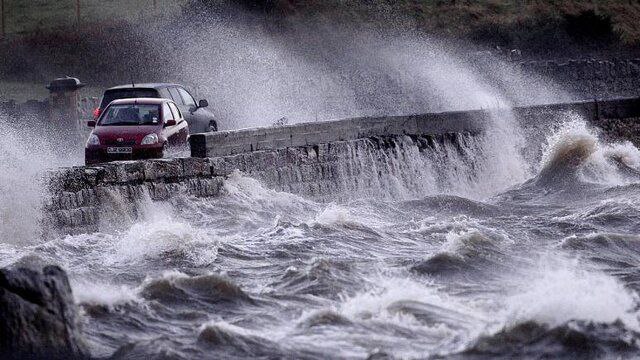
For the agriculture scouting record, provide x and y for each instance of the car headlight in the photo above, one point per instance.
(93, 140)
(150, 139)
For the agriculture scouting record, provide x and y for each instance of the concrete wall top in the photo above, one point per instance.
(232, 142)
(245, 140)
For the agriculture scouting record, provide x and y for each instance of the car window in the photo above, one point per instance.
(176, 112)
(186, 97)
(175, 96)
(168, 115)
(130, 114)
(130, 93)
(164, 93)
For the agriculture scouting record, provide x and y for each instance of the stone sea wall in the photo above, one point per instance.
(320, 160)
(225, 143)
(86, 198)
(80, 196)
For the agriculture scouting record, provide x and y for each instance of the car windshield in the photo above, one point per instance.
(130, 114)
(115, 94)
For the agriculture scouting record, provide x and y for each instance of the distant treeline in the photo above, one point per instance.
(116, 51)
(530, 24)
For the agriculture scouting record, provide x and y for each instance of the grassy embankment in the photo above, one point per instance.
(547, 27)
(103, 52)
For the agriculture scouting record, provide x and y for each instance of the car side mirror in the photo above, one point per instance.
(203, 103)
(91, 123)
(170, 122)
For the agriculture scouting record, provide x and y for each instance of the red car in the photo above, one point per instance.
(139, 128)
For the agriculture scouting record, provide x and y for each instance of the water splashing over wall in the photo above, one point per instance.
(25, 153)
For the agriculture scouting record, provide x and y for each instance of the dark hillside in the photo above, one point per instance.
(538, 28)
(118, 52)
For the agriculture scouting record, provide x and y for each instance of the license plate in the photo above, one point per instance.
(119, 150)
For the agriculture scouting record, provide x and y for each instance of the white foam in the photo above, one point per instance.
(9, 253)
(153, 238)
(376, 302)
(159, 232)
(339, 215)
(334, 215)
(560, 291)
(461, 87)
(600, 166)
(247, 190)
(625, 151)
(93, 292)
(575, 137)
(458, 242)
(228, 328)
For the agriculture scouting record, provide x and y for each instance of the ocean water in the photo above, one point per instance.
(546, 264)
(505, 245)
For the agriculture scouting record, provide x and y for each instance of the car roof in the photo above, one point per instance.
(140, 101)
(144, 86)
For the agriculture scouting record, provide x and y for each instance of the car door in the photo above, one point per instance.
(170, 132)
(184, 109)
(181, 129)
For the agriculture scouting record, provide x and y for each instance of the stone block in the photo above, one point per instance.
(298, 139)
(159, 191)
(266, 144)
(130, 171)
(162, 169)
(196, 167)
(67, 179)
(93, 175)
(282, 143)
(619, 108)
(233, 163)
(205, 187)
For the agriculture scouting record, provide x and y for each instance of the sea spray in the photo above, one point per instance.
(576, 149)
(26, 152)
(560, 291)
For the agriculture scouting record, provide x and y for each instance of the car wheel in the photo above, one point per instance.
(213, 126)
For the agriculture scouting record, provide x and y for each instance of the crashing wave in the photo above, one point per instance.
(575, 153)
(567, 150)
(236, 340)
(574, 339)
(163, 347)
(324, 318)
(97, 297)
(451, 204)
(620, 252)
(176, 287)
(464, 253)
(323, 277)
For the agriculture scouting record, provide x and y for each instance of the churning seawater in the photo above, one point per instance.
(548, 266)
(503, 245)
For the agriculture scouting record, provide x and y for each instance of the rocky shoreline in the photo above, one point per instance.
(38, 315)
